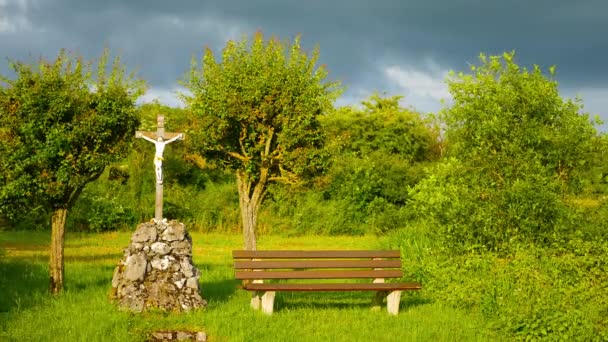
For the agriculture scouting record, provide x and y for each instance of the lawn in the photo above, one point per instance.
(84, 313)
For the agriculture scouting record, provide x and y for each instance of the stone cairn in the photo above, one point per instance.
(156, 270)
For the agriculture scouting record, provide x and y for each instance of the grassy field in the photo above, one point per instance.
(84, 313)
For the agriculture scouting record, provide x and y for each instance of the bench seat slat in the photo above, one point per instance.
(297, 254)
(332, 274)
(297, 264)
(333, 287)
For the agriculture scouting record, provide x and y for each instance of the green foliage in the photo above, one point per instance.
(203, 198)
(593, 180)
(514, 149)
(301, 212)
(382, 125)
(60, 127)
(376, 151)
(256, 113)
(593, 214)
(555, 292)
(258, 108)
(503, 114)
(102, 212)
(469, 214)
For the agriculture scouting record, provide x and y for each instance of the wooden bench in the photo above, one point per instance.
(255, 267)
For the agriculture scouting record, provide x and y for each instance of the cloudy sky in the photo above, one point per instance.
(402, 47)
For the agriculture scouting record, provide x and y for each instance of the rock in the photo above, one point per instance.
(135, 267)
(182, 248)
(156, 271)
(136, 305)
(174, 266)
(182, 336)
(131, 298)
(192, 283)
(178, 335)
(174, 232)
(160, 248)
(145, 232)
(160, 264)
(200, 336)
(186, 267)
(180, 283)
(116, 277)
(162, 336)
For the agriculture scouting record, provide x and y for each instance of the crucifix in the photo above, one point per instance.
(160, 139)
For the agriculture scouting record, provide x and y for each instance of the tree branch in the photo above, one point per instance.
(283, 179)
(237, 156)
(76, 193)
(242, 137)
(269, 142)
(286, 177)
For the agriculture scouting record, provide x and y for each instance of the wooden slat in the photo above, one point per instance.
(334, 274)
(333, 287)
(275, 254)
(297, 264)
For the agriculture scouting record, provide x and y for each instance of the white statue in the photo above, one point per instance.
(158, 156)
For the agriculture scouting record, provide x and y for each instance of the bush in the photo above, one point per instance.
(101, 212)
(553, 292)
(214, 209)
(469, 211)
(299, 212)
(37, 218)
(514, 147)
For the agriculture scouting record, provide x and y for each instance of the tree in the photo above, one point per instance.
(503, 110)
(382, 125)
(513, 145)
(256, 113)
(377, 149)
(59, 128)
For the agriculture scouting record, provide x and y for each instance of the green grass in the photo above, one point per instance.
(84, 313)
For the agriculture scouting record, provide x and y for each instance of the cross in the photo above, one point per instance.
(160, 139)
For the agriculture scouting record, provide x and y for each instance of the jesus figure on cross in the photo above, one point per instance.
(160, 144)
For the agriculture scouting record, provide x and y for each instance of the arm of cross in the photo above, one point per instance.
(141, 135)
(178, 136)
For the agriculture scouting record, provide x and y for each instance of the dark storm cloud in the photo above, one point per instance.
(359, 39)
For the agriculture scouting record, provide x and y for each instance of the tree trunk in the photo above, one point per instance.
(250, 201)
(249, 219)
(57, 242)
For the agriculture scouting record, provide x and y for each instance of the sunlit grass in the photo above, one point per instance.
(84, 313)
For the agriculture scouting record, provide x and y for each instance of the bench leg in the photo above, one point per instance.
(392, 302)
(377, 300)
(256, 300)
(268, 302)
(255, 296)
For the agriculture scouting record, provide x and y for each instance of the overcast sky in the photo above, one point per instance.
(401, 47)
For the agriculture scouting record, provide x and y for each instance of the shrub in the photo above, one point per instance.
(102, 212)
(514, 146)
(552, 292)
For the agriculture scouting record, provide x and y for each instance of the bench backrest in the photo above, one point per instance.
(326, 264)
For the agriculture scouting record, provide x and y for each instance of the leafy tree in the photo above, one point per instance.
(382, 125)
(256, 112)
(503, 110)
(59, 128)
(376, 149)
(513, 145)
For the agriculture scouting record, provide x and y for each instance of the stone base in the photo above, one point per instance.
(156, 270)
(159, 336)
